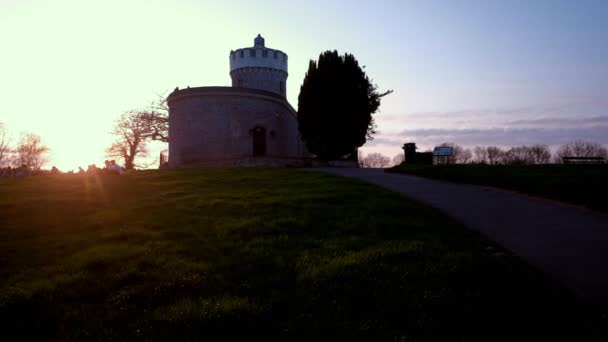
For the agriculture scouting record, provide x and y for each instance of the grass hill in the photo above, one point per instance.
(181, 254)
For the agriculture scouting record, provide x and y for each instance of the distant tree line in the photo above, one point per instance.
(374, 160)
(29, 152)
(581, 148)
(519, 155)
(536, 154)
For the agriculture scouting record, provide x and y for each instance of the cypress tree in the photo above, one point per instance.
(336, 105)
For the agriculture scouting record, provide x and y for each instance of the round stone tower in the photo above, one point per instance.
(259, 67)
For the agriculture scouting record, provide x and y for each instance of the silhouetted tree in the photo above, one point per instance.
(398, 159)
(495, 154)
(375, 160)
(464, 157)
(481, 154)
(360, 157)
(581, 148)
(156, 117)
(4, 146)
(540, 154)
(517, 156)
(131, 131)
(336, 105)
(136, 128)
(31, 152)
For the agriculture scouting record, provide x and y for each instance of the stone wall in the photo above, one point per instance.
(214, 125)
(259, 57)
(260, 78)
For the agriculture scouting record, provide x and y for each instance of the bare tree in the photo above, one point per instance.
(360, 157)
(132, 130)
(4, 146)
(398, 159)
(523, 155)
(460, 155)
(581, 148)
(156, 117)
(517, 156)
(136, 128)
(495, 154)
(375, 160)
(481, 154)
(31, 152)
(539, 154)
(465, 156)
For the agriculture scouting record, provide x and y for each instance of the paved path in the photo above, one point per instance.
(567, 242)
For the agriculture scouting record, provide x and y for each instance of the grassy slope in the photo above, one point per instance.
(148, 254)
(576, 184)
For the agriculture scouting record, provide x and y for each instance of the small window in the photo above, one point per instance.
(252, 52)
(276, 54)
(242, 53)
(264, 53)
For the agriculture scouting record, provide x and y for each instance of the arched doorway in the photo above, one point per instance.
(259, 141)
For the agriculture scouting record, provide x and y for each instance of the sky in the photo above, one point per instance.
(472, 72)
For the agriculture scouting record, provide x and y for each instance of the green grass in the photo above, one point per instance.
(585, 185)
(181, 254)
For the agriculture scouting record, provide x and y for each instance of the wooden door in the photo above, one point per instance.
(259, 141)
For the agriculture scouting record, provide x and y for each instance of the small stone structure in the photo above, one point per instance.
(250, 123)
(410, 156)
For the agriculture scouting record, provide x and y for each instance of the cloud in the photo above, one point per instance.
(385, 140)
(554, 124)
(497, 136)
(567, 114)
(551, 132)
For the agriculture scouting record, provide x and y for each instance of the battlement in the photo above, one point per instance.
(258, 56)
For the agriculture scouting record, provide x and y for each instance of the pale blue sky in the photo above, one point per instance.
(473, 72)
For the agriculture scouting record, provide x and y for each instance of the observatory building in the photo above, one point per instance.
(249, 123)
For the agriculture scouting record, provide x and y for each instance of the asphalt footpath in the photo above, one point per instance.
(569, 243)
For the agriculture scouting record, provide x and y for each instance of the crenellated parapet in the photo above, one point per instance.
(258, 56)
(259, 67)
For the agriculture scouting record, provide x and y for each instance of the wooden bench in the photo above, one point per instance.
(583, 160)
